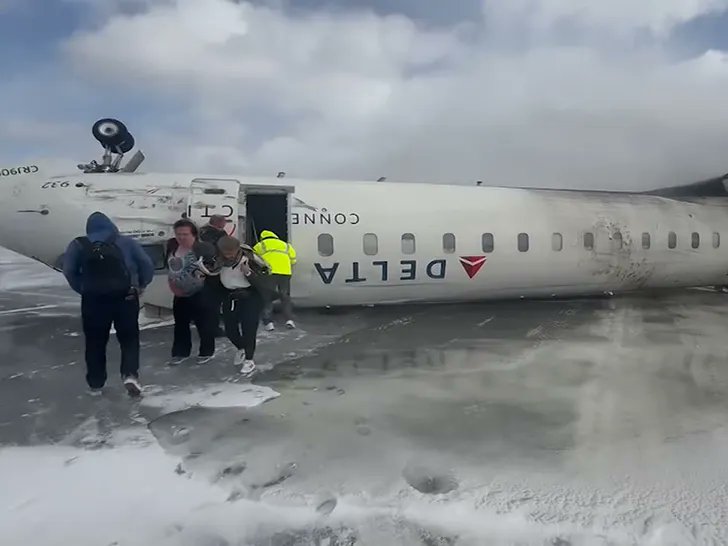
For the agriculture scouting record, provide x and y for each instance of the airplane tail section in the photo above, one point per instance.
(712, 187)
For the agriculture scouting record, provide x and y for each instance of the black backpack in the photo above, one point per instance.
(103, 268)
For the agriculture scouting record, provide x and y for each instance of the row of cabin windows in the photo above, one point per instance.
(370, 242)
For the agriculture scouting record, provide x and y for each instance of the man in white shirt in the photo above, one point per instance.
(243, 304)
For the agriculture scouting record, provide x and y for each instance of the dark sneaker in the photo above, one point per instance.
(132, 385)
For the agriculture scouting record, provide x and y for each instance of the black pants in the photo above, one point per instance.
(242, 312)
(200, 309)
(280, 287)
(217, 293)
(98, 313)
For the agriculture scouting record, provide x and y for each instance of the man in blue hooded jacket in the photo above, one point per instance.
(109, 271)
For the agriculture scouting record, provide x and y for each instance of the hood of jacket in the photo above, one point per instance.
(100, 228)
(267, 234)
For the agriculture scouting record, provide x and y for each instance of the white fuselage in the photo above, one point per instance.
(399, 242)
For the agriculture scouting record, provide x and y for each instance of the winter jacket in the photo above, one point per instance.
(100, 228)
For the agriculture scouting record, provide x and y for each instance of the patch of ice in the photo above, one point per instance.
(217, 395)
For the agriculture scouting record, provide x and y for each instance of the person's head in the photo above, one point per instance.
(228, 247)
(98, 224)
(218, 221)
(185, 231)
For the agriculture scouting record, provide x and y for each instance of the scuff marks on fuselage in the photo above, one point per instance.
(614, 257)
(150, 197)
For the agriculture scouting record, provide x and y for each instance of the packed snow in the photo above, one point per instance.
(216, 395)
(135, 494)
(18, 273)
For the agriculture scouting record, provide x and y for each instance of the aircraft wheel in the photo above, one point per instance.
(110, 132)
(126, 145)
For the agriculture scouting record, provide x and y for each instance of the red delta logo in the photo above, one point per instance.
(472, 264)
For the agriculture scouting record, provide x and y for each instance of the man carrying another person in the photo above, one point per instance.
(211, 233)
(241, 271)
(109, 271)
(281, 256)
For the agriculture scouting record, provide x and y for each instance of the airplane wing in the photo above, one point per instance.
(712, 187)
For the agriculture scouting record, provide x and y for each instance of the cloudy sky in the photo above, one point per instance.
(576, 93)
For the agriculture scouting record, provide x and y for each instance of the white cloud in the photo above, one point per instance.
(659, 16)
(28, 130)
(359, 95)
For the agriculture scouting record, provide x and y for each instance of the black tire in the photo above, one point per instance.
(110, 132)
(126, 146)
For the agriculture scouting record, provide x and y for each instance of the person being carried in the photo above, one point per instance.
(282, 257)
(211, 233)
(214, 229)
(110, 271)
(189, 262)
(240, 269)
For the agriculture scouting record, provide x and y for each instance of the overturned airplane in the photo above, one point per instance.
(362, 243)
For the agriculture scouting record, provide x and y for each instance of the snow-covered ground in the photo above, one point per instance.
(134, 494)
(124, 489)
(20, 273)
(575, 423)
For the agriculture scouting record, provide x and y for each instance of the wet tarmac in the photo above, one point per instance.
(594, 421)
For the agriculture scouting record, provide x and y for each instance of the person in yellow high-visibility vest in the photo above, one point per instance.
(281, 256)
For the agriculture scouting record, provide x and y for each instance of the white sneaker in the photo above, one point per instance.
(270, 326)
(248, 367)
(239, 357)
(133, 387)
(290, 324)
(95, 392)
(204, 359)
(177, 360)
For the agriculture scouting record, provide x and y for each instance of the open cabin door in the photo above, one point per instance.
(268, 208)
(210, 196)
(265, 208)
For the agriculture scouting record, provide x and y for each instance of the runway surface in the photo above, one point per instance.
(563, 422)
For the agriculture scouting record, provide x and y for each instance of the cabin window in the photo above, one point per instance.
(716, 239)
(156, 254)
(448, 243)
(557, 241)
(523, 242)
(695, 240)
(645, 240)
(370, 244)
(408, 243)
(589, 240)
(672, 239)
(325, 244)
(617, 240)
(487, 242)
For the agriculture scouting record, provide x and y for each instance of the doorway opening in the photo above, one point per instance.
(266, 211)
